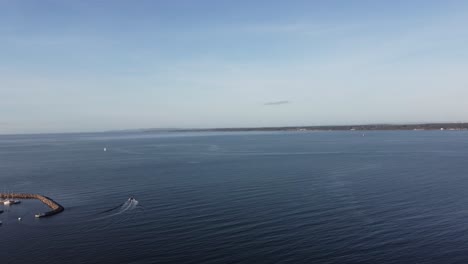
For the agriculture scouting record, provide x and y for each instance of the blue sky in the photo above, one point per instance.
(102, 65)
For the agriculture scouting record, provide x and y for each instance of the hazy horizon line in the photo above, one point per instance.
(175, 129)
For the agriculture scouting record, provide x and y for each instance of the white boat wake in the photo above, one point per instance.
(128, 205)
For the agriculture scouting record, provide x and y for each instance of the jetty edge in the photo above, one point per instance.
(56, 208)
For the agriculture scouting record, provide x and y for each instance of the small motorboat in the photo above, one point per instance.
(39, 215)
(10, 202)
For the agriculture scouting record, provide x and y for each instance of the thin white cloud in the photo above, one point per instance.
(277, 102)
(300, 28)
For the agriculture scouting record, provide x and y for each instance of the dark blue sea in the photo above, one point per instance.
(278, 197)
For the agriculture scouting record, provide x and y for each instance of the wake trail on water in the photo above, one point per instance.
(117, 215)
(112, 209)
(120, 209)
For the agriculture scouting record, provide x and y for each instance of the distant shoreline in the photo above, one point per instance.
(380, 127)
(375, 127)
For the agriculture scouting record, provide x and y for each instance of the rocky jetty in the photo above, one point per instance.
(56, 208)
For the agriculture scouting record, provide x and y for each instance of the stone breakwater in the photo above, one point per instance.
(56, 208)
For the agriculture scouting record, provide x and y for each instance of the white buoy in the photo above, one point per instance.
(105, 149)
(19, 218)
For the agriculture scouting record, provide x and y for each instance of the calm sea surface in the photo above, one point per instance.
(304, 197)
